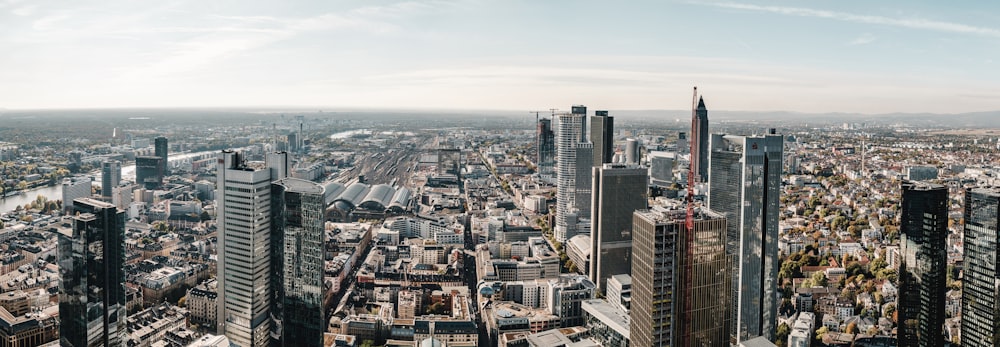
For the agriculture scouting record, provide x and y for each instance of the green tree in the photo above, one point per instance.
(782, 334)
(819, 279)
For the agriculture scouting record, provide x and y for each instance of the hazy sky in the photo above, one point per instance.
(810, 56)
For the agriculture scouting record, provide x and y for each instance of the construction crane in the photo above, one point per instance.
(689, 221)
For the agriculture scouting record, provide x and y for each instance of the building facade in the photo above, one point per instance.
(160, 149)
(618, 190)
(569, 135)
(602, 135)
(111, 176)
(74, 188)
(91, 264)
(297, 260)
(680, 293)
(243, 200)
(745, 183)
(545, 147)
(700, 159)
(923, 235)
(981, 281)
(149, 171)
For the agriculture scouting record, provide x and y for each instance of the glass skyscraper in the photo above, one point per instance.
(923, 235)
(92, 290)
(618, 190)
(602, 135)
(981, 282)
(745, 182)
(297, 259)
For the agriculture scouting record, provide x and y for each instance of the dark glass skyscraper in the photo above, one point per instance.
(160, 150)
(92, 289)
(701, 137)
(981, 281)
(602, 134)
(680, 284)
(745, 184)
(923, 234)
(149, 171)
(297, 236)
(546, 147)
(111, 176)
(619, 190)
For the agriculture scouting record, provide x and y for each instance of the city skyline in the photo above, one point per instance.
(844, 57)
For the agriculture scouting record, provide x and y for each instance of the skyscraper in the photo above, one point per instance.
(149, 171)
(980, 314)
(243, 197)
(545, 147)
(679, 280)
(922, 245)
(602, 134)
(570, 165)
(160, 150)
(745, 184)
(297, 260)
(700, 136)
(619, 190)
(111, 176)
(91, 265)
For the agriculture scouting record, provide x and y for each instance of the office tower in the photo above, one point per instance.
(160, 150)
(545, 147)
(745, 184)
(74, 188)
(111, 176)
(602, 134)
(682, 143)
(661, 168)
(569, 138)
(243, 199)
(618, 191)
(584, 185)
(700, 136)
(631, 151)
(280, 164)
(293, 142)
(297, 260)
(91, 265)
(149, 171)
(679, 280)
(565, 295)
(922, 245)
(980, 281)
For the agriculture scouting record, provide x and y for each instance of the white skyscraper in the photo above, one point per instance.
(243, 198)
(569, 138)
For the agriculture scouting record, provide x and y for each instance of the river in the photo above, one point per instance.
(55, 192)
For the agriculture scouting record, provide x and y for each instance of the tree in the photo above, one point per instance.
(782, 334)
(852, 328)
(820, 332)
(819, 279)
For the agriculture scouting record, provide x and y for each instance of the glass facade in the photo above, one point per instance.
(980, 281)
(619, 191)
(923, 233)
(92, 289)
(602, 135)
(298, 236)
(745, 185)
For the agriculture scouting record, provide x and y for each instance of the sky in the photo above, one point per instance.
(804, 56)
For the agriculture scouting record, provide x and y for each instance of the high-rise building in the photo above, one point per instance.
(745, 184)
(602, 134)
(149, 171)
(545, 147)
(923, 248)
(111, 176)
(570, 165)
(679, 280)
(701, 139)
(661, 168)
(160, 149)
(243, 199)
(980, 314)
(618, 191)
(74, 188)
(631, 151)
(297, 260)
(91, 264)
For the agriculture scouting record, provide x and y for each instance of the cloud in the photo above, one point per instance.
(911, 23)
(864, 39)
